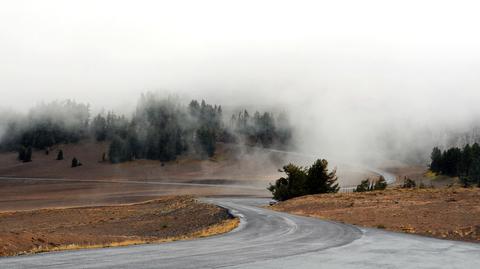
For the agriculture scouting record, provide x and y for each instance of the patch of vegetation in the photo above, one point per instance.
(367, 185)
(409, 183)
(303, 181)
(458, 162)
(46, 125)
(160, 129)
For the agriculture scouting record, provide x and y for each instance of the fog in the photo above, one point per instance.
(362, 80)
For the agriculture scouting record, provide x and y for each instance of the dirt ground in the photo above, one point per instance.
(165, 219)
(451, 213)
(102, 183)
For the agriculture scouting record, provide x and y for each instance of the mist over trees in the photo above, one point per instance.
(46, 125)
(159, 129)
(458, 162)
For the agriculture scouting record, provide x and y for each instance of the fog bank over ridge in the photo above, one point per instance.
(360, 81)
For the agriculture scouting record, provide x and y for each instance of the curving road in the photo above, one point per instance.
(268, 239)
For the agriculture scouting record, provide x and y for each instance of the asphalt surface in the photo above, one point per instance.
(269, 239)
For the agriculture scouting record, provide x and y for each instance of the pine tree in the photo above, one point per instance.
(74, 162)
(319, 180)
(21, 153)
(28, 155)
(381, 184)
(436, 158)
(364, 186)
(60, 155)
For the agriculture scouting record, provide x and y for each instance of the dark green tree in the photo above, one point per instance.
(118, 151)
(380, 184)
(301, 181)
(206, 138)
(436, 160)
(75, 162)
(60, 155)
(408, 183)
(21, 153)
(320, 180)
(28, 155)
(364, 186)
(293, 185)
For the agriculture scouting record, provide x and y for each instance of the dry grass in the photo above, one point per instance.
(217, 229)
(451, 213)
(165, 219)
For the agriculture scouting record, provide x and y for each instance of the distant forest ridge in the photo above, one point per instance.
(159, 129)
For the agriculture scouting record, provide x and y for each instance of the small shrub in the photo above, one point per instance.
(381, 184)
(60, 155)
(75, 162)
(363, 186)
(408, 183)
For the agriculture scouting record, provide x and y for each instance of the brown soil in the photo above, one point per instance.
(165, 219)
(229, 163)
(451, 213)
(102, 183)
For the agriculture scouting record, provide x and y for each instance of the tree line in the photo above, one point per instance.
(458, 162)
(46, 125)
(159, 129)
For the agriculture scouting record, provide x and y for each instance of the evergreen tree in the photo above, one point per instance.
(319, 180)
(206, 138)
(74, 162)
(436, 158)
(300, 181)
(118, 151)
(60, 155)
(408, 183)
(381, 184)
(21, 153)
(293, 185)
(364, 186)
(28, 155)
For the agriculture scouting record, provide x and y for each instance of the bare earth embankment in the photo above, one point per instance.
(165, 219)
(451, 213)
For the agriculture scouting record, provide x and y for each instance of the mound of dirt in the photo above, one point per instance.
(165, 219)
(452, 213)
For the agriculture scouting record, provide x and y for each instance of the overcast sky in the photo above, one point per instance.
(347, 64)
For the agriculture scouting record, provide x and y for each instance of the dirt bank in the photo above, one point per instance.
(165, 219)
(452, 213)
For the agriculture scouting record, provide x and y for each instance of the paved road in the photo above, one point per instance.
(267, 239)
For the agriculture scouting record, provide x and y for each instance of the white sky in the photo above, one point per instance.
(356, 61)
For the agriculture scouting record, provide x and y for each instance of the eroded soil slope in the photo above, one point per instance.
(168, 218)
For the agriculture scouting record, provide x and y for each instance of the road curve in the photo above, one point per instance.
(268, 239)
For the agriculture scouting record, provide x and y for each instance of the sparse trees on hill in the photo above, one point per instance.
(367, 185)
(47, 125)
(301, 181)
(160, 129)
